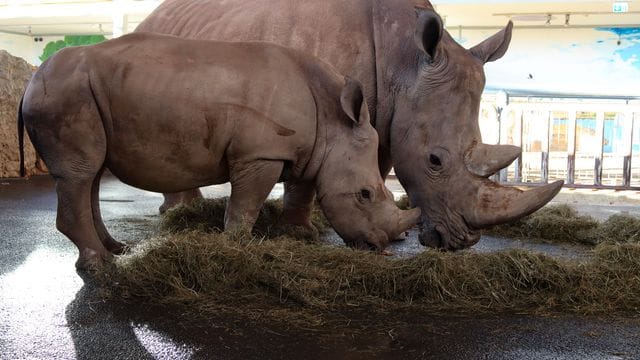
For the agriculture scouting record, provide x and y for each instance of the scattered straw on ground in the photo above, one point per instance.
(619, 228)
(558, 223)
(207, 215)
(561, 223)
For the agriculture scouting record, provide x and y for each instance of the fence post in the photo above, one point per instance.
(519, 142)
(626, 167)
(571, 147)
(544, 175)
(599, 148)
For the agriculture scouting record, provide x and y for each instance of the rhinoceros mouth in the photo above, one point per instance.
(364, 245)
(439, 237)
(429, 236)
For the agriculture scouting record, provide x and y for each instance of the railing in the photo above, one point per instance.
(587, 142)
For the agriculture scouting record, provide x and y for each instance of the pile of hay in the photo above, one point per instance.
(302, 282)
(619, 229)
(561, 223)
(213, 271)
(207, 215)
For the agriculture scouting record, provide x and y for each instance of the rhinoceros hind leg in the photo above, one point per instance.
(75, 220)
(115, 247)
(298, 202)
(181, 198)
(251, 183)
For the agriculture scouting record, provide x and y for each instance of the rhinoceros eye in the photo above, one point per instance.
(438, 159)
(365, 194)
(435, 160)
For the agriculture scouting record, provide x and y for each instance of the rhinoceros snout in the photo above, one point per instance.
(374, 240)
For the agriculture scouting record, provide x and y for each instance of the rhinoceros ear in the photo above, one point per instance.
(353, 102)
(429, 30)
(494, 47)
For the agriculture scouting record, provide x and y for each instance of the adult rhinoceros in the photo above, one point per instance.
(423, 91)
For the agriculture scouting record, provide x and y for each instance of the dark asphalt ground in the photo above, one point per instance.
(47, 310)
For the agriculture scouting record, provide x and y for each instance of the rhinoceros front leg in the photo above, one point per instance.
(298, 203)
(251, 183)
(181, 198)
(115, 247)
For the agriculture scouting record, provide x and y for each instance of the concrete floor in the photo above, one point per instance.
(48, 311)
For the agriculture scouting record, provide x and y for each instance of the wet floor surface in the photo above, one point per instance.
(47, 310)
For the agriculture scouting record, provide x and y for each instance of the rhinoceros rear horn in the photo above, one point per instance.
(429, 30)
(485, 160)
(353, 102)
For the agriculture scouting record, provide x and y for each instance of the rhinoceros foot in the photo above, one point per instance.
(115, 247)
(297, 222)
(91, 260)
(306, 232)
(182, 198)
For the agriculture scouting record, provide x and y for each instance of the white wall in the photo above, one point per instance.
(24, 46)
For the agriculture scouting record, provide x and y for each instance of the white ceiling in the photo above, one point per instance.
(68, 17)
(530, 13)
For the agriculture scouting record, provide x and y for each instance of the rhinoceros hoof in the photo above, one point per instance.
(167, 206)
(115, 247)
(91, 260)
(306, 231)
(162, 209)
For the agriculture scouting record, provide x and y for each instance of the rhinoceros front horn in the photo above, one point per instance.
(496, 204)
(485, 160)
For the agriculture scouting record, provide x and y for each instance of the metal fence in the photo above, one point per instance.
(585, 141)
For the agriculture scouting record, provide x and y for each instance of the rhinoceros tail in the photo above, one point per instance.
(21, 138)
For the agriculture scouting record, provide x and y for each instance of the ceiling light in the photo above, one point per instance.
(529, 17)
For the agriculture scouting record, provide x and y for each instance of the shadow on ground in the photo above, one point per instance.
(151, 332)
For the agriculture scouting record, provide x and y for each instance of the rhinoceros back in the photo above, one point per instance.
(345, 41)
(184, 108)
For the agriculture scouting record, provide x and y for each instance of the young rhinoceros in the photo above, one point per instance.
(166, 114)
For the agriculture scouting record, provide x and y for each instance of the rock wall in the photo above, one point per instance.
(14, 76)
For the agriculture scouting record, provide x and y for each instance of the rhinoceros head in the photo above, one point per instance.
(351, 190)
(436, 144)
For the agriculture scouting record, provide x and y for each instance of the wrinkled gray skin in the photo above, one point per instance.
(167, 114)
(423, 91)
